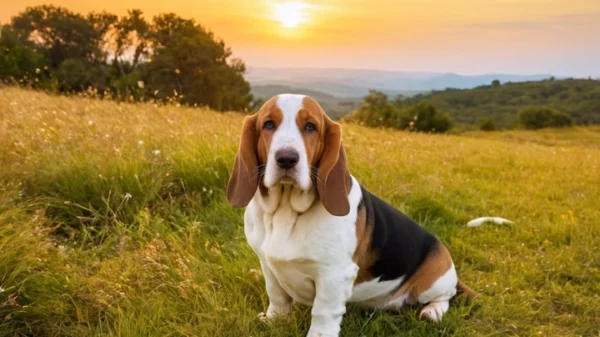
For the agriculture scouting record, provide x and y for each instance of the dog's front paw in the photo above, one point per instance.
(263, 317)
(320, 334)
(274, 311)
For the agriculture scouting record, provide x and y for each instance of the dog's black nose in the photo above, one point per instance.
(286, 159)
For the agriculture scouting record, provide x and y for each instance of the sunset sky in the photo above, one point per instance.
(560, 37)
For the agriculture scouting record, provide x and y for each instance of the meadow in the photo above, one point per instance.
(113, 222)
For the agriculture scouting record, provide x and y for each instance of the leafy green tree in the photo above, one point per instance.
(188, 61)
(18, 61)
(495, 83)
(376, 111)
(61, 34)
(76, 75)
(542, 117)
(130, 57)
(488, 124)
(426, 118)
(131, 33)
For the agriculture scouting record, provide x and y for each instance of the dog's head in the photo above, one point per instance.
(291, 140)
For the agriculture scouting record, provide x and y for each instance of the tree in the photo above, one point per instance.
(495, 83)
(76, 75)
(61, 34)
(18, 61)
(187, 60)
(376, 111)
(542, 117)
(131, 33)
(426, 118)
(55, 48)
(488, 124)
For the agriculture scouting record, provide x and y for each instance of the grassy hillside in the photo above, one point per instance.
(579, 98)
(113, 223)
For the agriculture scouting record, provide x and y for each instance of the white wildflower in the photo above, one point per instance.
(140, 84)
(156, 152)
(141, 142)
(127, 196)
(90, 122)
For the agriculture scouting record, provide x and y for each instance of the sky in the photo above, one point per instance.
(558, 37)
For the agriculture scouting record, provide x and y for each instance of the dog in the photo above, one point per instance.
(322, 239)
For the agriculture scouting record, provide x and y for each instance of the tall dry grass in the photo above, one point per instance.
(113, 223)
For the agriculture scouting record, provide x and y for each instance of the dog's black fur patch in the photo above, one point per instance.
(400, 243)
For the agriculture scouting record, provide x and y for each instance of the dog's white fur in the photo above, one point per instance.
(306, 253)
(288, 136)
(480, 221)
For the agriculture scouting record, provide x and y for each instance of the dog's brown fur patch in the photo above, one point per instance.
(363, 256)
(435, 265)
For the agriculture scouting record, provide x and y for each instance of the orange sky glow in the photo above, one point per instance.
(560, 37)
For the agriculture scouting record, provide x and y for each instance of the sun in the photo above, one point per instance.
(291, 13)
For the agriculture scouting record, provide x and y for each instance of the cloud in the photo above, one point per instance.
(577, 18)
(508, 25)
(572, 19)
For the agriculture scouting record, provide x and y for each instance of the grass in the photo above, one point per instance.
(113, 223)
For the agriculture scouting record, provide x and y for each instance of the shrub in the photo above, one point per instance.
(376, 111)
(425, 117)
(488, 124)
(542, 117)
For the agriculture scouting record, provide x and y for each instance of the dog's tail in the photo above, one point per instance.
(480, 221)
(466, 290)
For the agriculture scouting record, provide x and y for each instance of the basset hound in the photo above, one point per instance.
(322, 239)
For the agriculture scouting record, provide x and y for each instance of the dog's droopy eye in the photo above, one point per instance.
(269, 125)
(310, 127)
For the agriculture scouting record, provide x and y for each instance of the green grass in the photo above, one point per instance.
(113, 223)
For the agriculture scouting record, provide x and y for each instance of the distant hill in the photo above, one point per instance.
(266, 91)
(356, 83)
(334, 106)
(580, 98)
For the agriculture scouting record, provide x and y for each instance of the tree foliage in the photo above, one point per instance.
(129, 57)
(377, 111)
(488, 124)
(578, 98)
(542, 117)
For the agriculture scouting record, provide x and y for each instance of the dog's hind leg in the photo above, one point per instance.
(433, 284)
(437, 297)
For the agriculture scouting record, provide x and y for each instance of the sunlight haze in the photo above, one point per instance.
(493, 36)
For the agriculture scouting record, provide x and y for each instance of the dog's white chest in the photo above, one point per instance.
(287, 251)
(297, 246)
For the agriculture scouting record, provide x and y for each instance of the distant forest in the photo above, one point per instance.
(167, 58)
(578, 98)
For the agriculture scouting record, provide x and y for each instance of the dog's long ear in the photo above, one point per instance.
(243, 181)
(333, 175)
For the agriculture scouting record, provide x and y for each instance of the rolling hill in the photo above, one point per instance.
(580, 98)
(356, 83)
